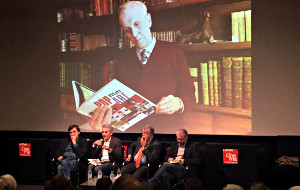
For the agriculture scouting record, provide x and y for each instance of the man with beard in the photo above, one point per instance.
(181, 154)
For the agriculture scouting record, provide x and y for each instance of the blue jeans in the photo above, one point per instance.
(167, 172)
(66, 166)
(105, 168)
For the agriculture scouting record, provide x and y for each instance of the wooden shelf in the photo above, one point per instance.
(92, 25)
(216, 46)
(179, 3)
(224, 111)
(101, 53)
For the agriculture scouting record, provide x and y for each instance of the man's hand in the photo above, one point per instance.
(168, 105)
(73, 138)
(181, 161)
(101, 116)
(143, 141)
(105, 147)
(128, 158)
(98, 142)
(60, 158)
(170, 159)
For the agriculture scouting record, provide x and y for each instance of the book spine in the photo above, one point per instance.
(248, 25)
(194, 75)
(241, 26)
(216, 84)
(204, 83)
(234, 27)
(62, 67)
(226, 82)
(219, 82)
(211, 83)
(247, 80)
(237, 82)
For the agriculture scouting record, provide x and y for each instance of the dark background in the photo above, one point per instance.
(30, 80)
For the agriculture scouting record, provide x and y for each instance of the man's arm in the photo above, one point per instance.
(80, 148)
(116, 152)
(152, 152)
(193, 156)
(184, 97)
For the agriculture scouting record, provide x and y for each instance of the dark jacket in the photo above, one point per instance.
(152, 152)
(80, 150)
(192, 155)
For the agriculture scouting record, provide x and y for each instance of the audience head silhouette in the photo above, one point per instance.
(131, 182)
(8, 182)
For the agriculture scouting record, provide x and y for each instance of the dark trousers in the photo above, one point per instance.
(141, 172)
(168, 172)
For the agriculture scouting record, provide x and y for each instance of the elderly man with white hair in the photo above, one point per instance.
(155, 69)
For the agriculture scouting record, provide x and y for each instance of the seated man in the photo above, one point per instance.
(181, 154)
(70, 150)
(142, 152)
(108, 150)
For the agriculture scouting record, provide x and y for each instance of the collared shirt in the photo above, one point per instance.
(143, 159)
(149, 49)
(180, 152)
(105, 155)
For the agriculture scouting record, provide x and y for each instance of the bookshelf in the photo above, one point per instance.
(169, 17)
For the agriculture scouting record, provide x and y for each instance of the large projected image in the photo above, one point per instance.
(197, 70)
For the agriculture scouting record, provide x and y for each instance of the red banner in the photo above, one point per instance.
(230, 156)
(24, 149)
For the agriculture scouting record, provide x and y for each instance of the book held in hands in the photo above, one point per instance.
(128, 107)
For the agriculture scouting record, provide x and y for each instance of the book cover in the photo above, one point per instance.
(226, 82)
(128, 107)
(247, 81)
(248, 25)
(237, 82)
(204, 83)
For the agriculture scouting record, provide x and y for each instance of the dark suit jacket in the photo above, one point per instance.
(192, 155)
(152, 152)
(80, 150)
(116, 153)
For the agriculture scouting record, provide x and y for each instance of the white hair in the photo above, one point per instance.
(138, 5)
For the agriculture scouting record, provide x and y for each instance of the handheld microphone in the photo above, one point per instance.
(98, 146)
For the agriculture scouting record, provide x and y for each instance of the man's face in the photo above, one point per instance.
(106, 133)
(136, 25)
(181, 138)
(74, 133)
(147, 135)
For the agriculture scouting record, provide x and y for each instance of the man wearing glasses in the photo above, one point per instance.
(144, 151)
(182, 154)
(70, 150)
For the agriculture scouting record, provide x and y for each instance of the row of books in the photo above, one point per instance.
(241, 26)
(225, 82)
(78, 42)
(151, 3)
(95, 8)
(86, 74)
(169, 36)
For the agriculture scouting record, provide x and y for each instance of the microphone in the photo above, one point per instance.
(97, 146)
